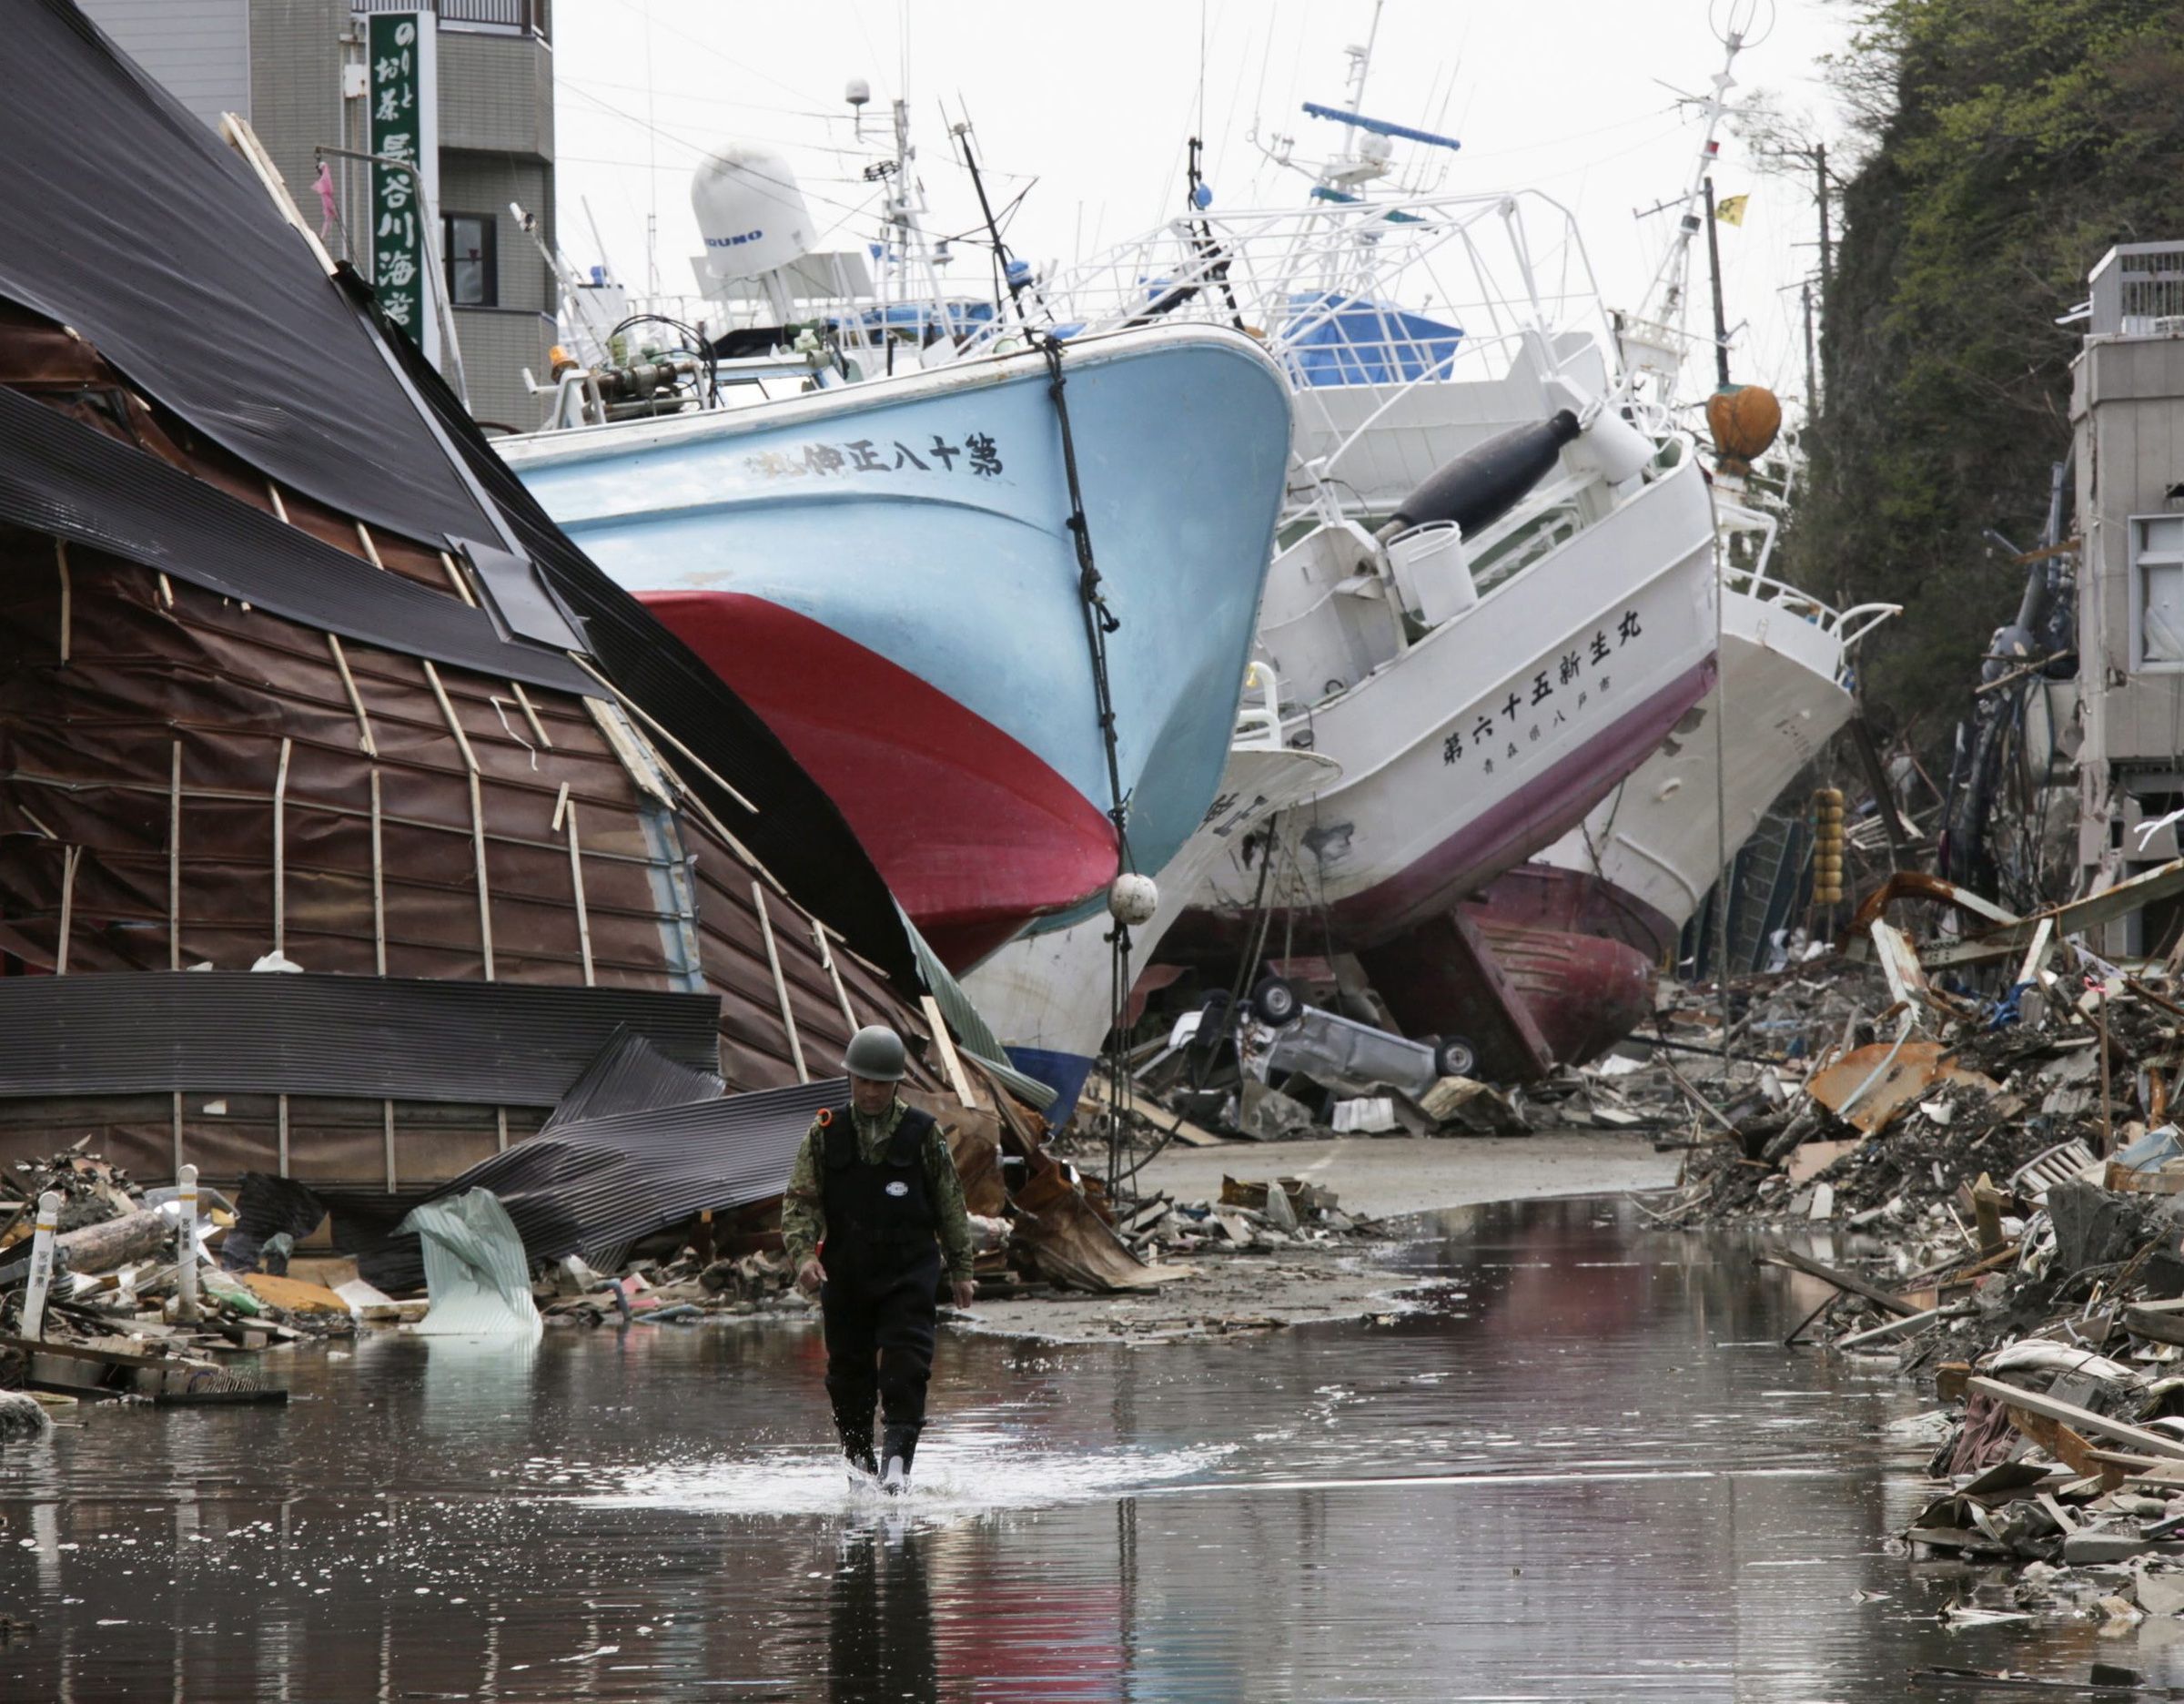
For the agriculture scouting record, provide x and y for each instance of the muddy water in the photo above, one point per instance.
(1585, 1470)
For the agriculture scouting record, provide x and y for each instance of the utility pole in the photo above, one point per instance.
(1713, 262)
(1827, 251)
(1812, 371)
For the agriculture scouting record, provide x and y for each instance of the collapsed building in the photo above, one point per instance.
(347, 812)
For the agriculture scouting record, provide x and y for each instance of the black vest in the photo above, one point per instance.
(877, 1214)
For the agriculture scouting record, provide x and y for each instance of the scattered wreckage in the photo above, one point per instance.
(2005, 1172)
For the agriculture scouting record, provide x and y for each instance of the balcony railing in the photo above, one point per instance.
(499, 17)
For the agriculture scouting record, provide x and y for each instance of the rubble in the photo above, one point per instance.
(2004, 1185)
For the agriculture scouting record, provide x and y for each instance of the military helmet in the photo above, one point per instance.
(875, 1054)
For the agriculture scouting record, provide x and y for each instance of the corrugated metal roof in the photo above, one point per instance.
(61, 477)
(490, 1043)
(631, 1075)
(604, 1183)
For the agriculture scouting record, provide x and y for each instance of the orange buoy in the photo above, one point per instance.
(1744, 420)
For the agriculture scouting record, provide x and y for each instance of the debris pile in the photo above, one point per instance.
(2003, 1171)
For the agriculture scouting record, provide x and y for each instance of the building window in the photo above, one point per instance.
(473, 266)
(2158, 551)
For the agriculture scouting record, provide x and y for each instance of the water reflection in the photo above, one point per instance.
(1586, 1469)
(879, 1633)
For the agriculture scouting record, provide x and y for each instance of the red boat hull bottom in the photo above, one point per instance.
(1527, 999)
(1546, 895)
(973, 832)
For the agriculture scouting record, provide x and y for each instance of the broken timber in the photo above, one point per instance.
(1852, 1285)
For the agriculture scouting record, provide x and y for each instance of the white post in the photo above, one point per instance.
(186, 1247)
(41, 1265)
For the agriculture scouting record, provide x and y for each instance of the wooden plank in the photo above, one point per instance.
(1190, 1135)
(2062, 1441)
(485, 898)
(281, 851)
(364, 742)
(70, 857)
(949, 1059)
(2082, 1420)
(2162, 1327)
(576, 886)
(174, 863)
(781, 992)
(1842, 1281)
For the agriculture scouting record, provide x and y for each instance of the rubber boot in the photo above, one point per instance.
(857, 1450)
(898, 1447)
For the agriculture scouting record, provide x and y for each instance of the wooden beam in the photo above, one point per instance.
(356, 700)
(833, 974)
(174, 863)
(447, 709)
(781, 983)
(70, 856)
(2162, 1327)
(284, 1135)
(387, 1114)
(949, 1059)
(280, 852)
(458, 580)
(530, 714)
(485, 902)
(378, 883)
(576, 884)
(1841, 1280)
(638, 710)
(2081, 1420)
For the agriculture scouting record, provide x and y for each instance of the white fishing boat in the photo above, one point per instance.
(1641, 863)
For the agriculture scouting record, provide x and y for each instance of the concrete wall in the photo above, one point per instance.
(498, 343)
(2128, 400)
(296, 95)
(200, 49)
(496, 94)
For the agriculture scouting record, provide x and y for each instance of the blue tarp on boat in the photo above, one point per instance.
(1335, 339)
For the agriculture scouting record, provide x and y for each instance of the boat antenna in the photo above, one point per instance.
(1014, 273)
(1664, 303)
(1199, 197)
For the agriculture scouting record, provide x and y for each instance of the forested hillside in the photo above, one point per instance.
(2008, 144)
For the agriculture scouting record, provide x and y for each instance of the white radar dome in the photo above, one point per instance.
(750, 211)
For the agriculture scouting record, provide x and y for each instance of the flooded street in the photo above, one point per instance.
(1585, 1470)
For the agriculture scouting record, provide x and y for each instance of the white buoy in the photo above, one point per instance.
(185, 1246)
(1133, 900)
(41, 1264)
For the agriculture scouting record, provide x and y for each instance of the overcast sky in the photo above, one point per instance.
(1576, 99)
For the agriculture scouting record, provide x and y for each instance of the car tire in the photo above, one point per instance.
(1275, 1000)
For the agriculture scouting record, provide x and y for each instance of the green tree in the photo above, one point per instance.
(2009, 143)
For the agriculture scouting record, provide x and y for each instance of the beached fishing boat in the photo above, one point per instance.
(888, 574)
(1575, 631)
(1642, 861)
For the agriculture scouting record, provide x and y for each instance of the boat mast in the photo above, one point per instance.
(1665, 301)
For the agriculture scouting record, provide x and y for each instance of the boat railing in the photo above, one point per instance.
(1846, 626)
(1342, 291)
(1259, 715)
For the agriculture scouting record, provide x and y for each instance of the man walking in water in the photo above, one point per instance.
(873, 1202)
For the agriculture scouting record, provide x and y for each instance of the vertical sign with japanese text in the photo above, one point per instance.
(404, 89)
